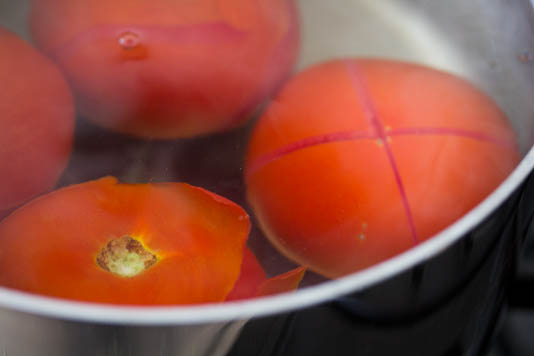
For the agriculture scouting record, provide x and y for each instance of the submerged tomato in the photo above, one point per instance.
(58, 244)
(169, 69)
(253, 281)
(142, 244)
(36, 122)
(359, 160)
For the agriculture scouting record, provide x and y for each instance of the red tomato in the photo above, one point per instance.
(135, 244)
(284, 282)
(250, 279)
(253, 282)
(359, 160)
(36, 122)
(59, 245)
(168, 69)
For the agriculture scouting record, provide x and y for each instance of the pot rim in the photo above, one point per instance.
(241, 310)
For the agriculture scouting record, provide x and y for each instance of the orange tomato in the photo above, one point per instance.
(135, 244)
(167, 69)
(53, 245)
(251, 277)
(359, 160)
(253, 281)
(36, 122)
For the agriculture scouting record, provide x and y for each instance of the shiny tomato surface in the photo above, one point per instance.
(51, 245)
(358, 160)
(185, 245)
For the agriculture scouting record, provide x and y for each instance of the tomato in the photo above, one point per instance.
(136, 244)
(250, 279)
(358, 160)
(185, 244)
(169, 69)
(36, 122)
(253, 281)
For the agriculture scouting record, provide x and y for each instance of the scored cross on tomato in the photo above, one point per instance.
(137, 244)
(359, 159)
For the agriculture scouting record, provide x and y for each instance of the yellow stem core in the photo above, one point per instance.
(125, 256)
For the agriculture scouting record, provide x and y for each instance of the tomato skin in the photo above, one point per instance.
(282, 283)
(50, 245)
(250, 279)
(253, 282)
(357, 161)
(36, 122)
(195, 67)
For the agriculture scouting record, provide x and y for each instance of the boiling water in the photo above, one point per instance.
(458, 36)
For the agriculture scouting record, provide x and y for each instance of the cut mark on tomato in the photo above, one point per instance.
(334, 137)
(125, 257)
(454, 132)
(305, 143)
(381, 134)
(371, 113)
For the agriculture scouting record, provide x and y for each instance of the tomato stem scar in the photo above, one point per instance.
(125, 256)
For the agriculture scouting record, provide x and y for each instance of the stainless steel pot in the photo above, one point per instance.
(489, 42)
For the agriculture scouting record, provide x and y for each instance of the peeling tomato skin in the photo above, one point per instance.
(283, 283)
(50, 245)
(358, 160)
(250, 279)
(164, 69)
(36, 122)
(253, 281)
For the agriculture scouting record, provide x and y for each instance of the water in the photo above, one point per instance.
(470, 39)
(465, 38)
